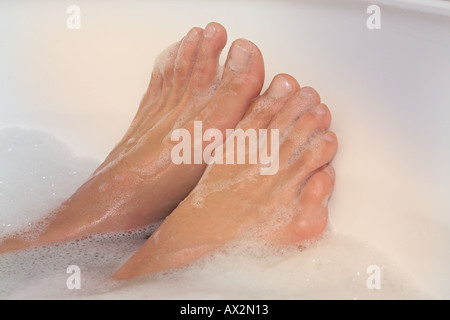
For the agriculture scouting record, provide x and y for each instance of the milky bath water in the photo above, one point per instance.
(41, 172)
(387, 90)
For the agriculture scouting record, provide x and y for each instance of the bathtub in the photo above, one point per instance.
(387, 88)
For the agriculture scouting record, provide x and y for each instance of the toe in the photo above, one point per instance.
(241, 83)
(263, 110)
(317, 190)
(244, 65)
(316, 119)
(319, 152)
(298, 104)
(206, 69)
(313, 211)
(184, 63)
(303, 132)
(165, 63)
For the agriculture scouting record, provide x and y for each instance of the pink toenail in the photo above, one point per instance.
(319, 110)
(326, 200)
(192, 35)
(328, 137)
(330, 171)
(240, 57)
(280, 87)
(318, 188)
(210, 30)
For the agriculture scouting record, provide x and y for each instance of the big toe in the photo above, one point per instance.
(241, 83)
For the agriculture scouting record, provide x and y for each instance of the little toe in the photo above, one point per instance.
(312, 216)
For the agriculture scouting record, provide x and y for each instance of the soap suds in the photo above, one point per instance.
(335, 267)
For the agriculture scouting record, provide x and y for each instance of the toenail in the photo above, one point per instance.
(240, 57)
(280, 87)
(319, 110)
(330, 171)
(210, 30)
(318, 188)
(310, 94)
(325, 201)
(192, 35)
(328, 137)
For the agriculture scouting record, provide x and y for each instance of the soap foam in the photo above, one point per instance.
(336, 267)
(37, 173)
(43, 272)
(333, 267)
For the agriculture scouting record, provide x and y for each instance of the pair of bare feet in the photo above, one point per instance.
(205, 206)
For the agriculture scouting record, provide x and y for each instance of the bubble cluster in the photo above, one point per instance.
(37, 173)
(333, 267)
(42, 272)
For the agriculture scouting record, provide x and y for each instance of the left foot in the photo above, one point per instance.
(232, 202)
(137, 185)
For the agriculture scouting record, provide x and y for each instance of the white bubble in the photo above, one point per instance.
(242, 270)
(31, 178)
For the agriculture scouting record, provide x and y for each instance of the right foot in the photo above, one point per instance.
(138, 185)
(237, 203)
